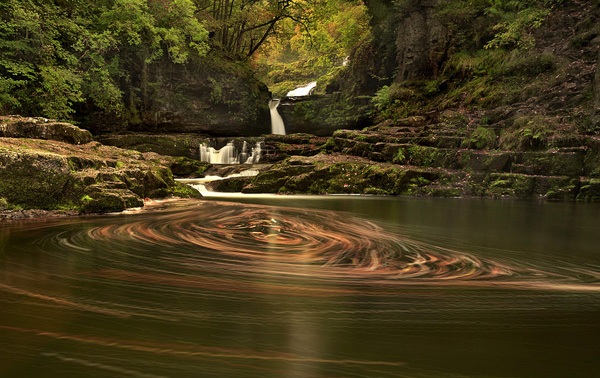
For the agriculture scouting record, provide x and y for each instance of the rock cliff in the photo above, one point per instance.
(215, 96)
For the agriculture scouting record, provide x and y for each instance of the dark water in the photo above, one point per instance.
(305, 287)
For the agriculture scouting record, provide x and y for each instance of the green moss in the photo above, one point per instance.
(183, 166)
(185, 191)
(443, 192)
(481, 138)
(530, 133)
(589, 191)
(330, 145)
(530, 63)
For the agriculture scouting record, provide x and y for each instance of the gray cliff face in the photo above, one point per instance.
(214, 97)
(409, 42)
(421, 42)
(207, 100)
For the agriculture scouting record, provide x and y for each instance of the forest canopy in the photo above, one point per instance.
(59, 54)
(66, 56)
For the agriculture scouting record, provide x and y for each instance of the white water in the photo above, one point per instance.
(200, 183)
(250, 158)
(303, 91)
(229, 154)
(277, 126)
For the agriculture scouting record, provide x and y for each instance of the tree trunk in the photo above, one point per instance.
(144, 85)
(597, 85)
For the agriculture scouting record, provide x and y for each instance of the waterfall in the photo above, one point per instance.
(303, 91)
(230, 155)
(277, 126)
(254, 155)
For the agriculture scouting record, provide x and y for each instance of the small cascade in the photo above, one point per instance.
(303, 91)
(229, 154)
(277, 126)
(255, 155)
(200, 184)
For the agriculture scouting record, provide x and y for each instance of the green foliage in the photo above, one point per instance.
(316, 49)
(532, 133)
(56, 56)
(492, 24)
(400, 157)
(516, 30)
(481, 138)
(382, 99)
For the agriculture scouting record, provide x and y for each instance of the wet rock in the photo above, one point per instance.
(589, 191)
(229, 185)
(185, 167)
(105, 200)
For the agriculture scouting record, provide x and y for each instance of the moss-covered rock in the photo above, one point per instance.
(214, 95)
(589, 191)
(187, 167)
(36, 179)
(109, 200)
(531, 186)
(320, 175)
(42, 128)
(164, 144)
(35, 174)
(554, 163)
(279, 147)
(230, 185)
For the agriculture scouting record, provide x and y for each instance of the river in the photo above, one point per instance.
(278, 286)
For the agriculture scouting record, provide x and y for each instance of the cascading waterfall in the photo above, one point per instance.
(277, 125)
(230, 155)
(250, 158)
(303, 91)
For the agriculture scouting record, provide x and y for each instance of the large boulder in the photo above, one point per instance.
(37, 179)
(42, 128)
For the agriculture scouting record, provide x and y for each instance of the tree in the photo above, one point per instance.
(241, 27)
(55, 55)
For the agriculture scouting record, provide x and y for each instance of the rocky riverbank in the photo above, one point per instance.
(418, 157)
(52, 174)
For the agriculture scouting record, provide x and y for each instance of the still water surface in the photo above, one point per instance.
(305, 287)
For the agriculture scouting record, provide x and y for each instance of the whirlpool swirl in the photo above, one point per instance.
(289, 241)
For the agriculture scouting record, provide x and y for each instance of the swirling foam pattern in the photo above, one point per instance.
(291, 241)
